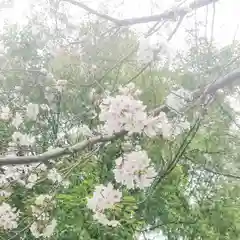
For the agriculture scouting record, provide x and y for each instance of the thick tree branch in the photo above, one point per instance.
(223, 82)
(172, 14)
(58, 152)
(211, 89)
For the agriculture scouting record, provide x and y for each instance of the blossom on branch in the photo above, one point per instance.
(134, 170)
(8, 217)
(104, 197)
(5, 113)
(32, 111)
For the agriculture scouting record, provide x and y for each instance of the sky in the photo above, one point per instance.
(226, 23)
(225, 29)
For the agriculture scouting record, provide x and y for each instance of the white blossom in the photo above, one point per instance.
(100, 217)
(32, 111)
(54, 176)
(47, 231)
(4, 193)
(82, 130)
(122, 113)
(134, 170)
(42, 199)
(17, 121)
(5, 113)
(8, 217)
(44, 107)
(23, 139)
(130, 89)
(145, 52)
(178, 99)
(26, 175)
(104, 197)
(43, 70)
(34, 230)
(61, 85)
(31, 181)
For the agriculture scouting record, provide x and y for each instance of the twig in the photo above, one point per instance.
(221, 173)
(172, 14)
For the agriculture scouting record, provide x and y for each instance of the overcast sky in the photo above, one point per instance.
(226, 22)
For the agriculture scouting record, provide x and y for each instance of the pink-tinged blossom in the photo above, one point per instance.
(104, 197)
(8, 217)
(134, 170)
(100, 217)
(123, 112)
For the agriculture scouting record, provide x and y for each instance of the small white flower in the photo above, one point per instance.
(49, 230)
(134, 171)
(44, 70)
(44, 107)
(145, 53)
(17, 121)
(22, 139)
(45, 231)
(4, 193)
(32, 111)
(34, 230)
(104, 197)
(76, 132)
(54, 176)
(31, 181)
(61, 85)
(100, 217)
(41, 199)
(5, 113)
(66, 184)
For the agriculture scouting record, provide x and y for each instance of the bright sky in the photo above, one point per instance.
(226, 17)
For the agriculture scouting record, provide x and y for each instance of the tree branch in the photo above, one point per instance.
(163, 224)
(228, 175)
(58, 152)
(223, 82)
(172, 14)
(227, 80)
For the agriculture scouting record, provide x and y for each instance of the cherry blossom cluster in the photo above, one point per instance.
(56, 177)
(16, 115)
(31, 113)
(104, 197)
(43, 225)
(134, 170)
(8, 217)
(25, 175)
(126, 112)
